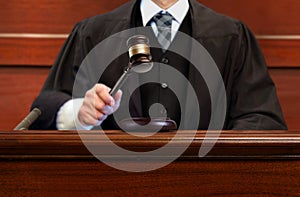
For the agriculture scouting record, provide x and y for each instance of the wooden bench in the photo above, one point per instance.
(241, 163)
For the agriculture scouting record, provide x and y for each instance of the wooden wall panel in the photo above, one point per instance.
(271, 17)
(29, 51)
(288, 85)
(52, 16)
(18, 88)
(43, 51)
(277, 19)
(281, 53)
(49, 16)
(20, 85)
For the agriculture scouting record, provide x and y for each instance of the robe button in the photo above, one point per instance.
(164, 85)
(163, 112)
(165, 60)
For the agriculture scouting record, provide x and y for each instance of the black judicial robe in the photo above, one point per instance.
(252, 103)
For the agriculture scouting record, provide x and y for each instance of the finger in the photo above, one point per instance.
(88, 117)
(118, 97)
(93, 102)
(103, 92)
(107, 110)
(102, 107)
(98, 104)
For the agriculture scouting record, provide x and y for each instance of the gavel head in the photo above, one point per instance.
(140, 59)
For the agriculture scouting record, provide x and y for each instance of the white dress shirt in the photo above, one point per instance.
(67, 116)
(177, 10)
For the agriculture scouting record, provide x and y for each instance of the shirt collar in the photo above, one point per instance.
(178, 10)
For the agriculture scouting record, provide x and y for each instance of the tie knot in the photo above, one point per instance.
(163, 19)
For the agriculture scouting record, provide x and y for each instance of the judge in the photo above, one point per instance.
(252, 103)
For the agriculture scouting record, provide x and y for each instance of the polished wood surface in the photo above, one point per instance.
(209, 178)
(49, 16)
(281, 53)
(43, 163)
(68, 144)
(288, 85)
(29, 51)
(52, 17)
(43, 51)
(265, 17)
(20, 85)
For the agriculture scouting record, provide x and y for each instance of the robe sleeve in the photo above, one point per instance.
(254, 104)
(58, 86)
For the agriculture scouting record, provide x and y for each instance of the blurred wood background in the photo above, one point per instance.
(33, 31)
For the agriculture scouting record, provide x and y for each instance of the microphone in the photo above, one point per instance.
(140, 59)
(28, 120)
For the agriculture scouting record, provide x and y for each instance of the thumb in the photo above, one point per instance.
(117, 98)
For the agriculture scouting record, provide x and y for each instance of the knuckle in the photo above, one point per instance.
(99, 116)
(100, 106)
(89, 94)
(100, 87)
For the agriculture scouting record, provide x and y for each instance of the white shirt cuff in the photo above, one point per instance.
(67, 116)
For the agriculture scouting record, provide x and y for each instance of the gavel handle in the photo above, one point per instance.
(119, 83)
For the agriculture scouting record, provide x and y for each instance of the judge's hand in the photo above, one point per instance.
(97, 105)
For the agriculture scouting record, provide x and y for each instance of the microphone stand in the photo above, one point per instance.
(28, 120)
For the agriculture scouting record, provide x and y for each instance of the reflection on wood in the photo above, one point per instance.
(224, 144)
